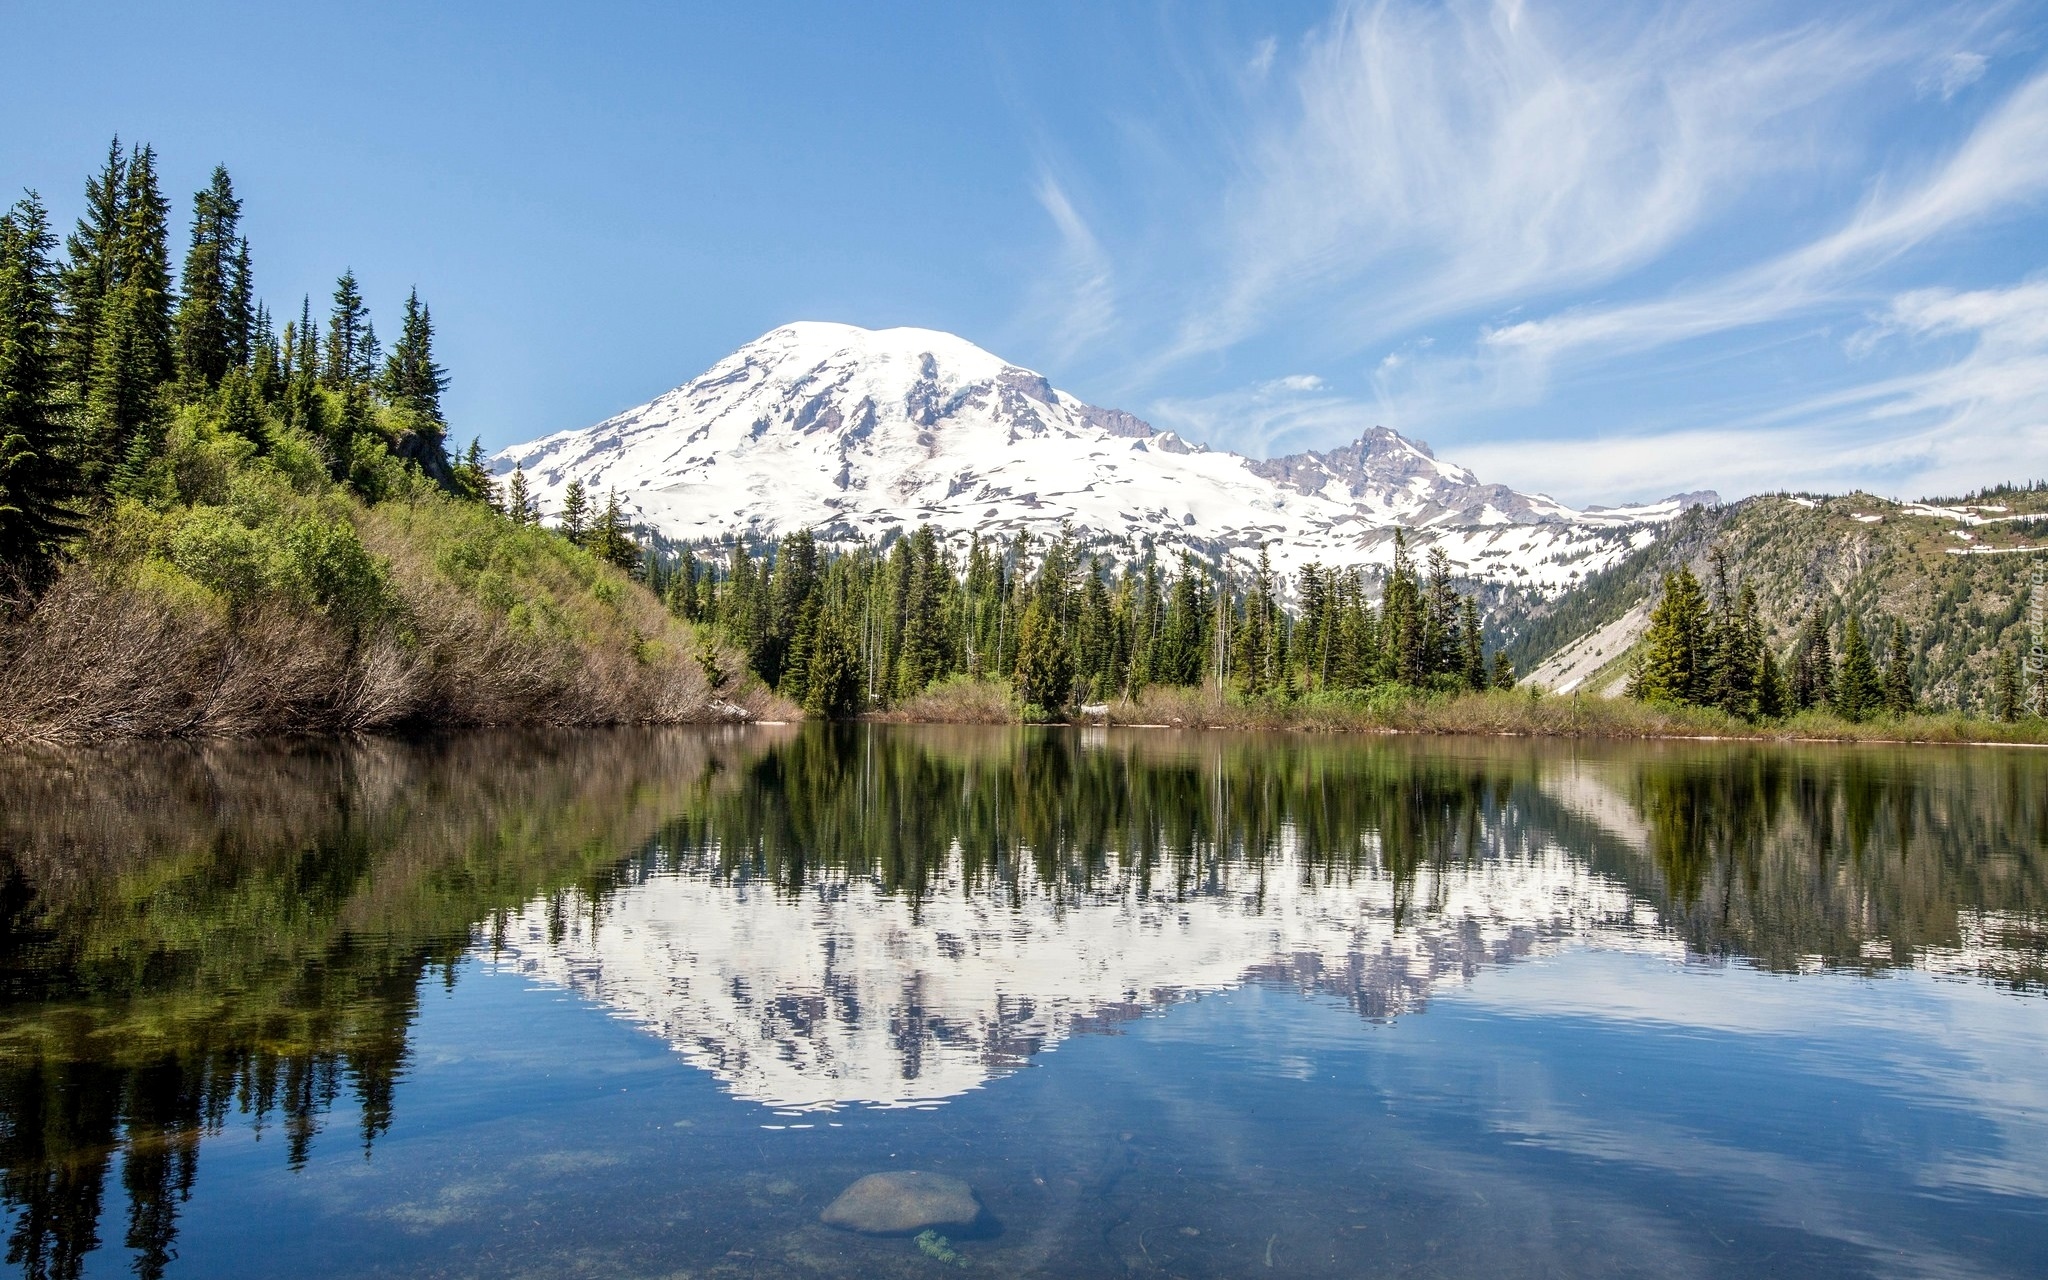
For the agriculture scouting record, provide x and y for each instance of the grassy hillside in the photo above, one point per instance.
(237, 589)
(1957, 573)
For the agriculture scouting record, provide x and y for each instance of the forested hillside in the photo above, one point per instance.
(1956, 575)
(871, 628)
(209, 525)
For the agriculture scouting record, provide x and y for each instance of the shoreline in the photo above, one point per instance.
(1499, 714)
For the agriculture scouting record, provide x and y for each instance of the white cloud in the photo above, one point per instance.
(1945, 427)
(1261, 63)
(2004, 163)
(1077, 301)
(1956, 72)
(1269, 417)
(1434, 159)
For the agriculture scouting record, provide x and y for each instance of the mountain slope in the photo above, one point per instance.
(1957, 573)
(856, 433)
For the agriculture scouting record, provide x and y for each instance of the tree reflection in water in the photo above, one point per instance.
(193, 936)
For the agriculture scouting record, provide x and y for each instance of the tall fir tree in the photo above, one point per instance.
(133, 356)
(1405, 653)
(2007, 699)
(1771, 699)
(412, 380)
(243, 311)
(266, 370)
(90, 273)
(1813, 664)
(609, 540)
(37, 483)
(1857, 694)
(832, 686)
(1045, 670)
(519, 498)
(1898, 672)
(240, 409)
(1472, 656)
(207, 339)
(305, 409)
(347, 324)
(575, 518)
(1675, 666)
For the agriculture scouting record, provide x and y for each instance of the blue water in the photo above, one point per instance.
(665, 1057)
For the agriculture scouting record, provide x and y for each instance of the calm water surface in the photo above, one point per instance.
(641, 1004)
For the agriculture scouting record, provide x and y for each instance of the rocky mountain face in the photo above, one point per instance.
(858, 433)
(1957, 572)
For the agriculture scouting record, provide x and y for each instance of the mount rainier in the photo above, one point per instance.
(857, 433)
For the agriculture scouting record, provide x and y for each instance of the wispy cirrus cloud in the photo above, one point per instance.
(1609, 251)
(1917, 427)
(2003, 164)
(1272, 416)
(1427, 160)
(1077, 298)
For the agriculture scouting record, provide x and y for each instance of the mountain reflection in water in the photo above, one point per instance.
(200, 937)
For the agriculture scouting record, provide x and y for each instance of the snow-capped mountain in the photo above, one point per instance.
(848, 994)
(856, 433)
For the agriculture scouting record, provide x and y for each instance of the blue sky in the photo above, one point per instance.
(1602, 250)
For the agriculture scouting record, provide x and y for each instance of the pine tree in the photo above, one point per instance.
(207, 341)
(244, 313)
(610, 541)
(682, 597)
(37, 482)
(90, 274)
(832, 688)
(346, 326)
(1813, 664)
(576, 514)
(1045, 675)
(132, 356)
(1856, 690)
(1674, 662)
(518, 498)
(240, 410)
(266, 369)
(1252, 641)
(1898, 672)
(801, 649)
(1473, 656)
(1440, 640)
(2005, 686)
(1503, 670)
(923, 579)
(304, 409)
(1771, 698)
(1405, 656)
(412, 379)
(1738, 639)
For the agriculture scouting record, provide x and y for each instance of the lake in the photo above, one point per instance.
(643, 1003)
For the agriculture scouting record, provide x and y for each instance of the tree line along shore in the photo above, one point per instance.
(214, 525)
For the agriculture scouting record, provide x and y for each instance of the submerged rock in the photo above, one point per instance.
(898, 1203)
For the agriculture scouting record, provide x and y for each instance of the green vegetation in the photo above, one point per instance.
(209, 527)
(910, 633)
(1944, 585)
(200, 935)
(192, 932)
